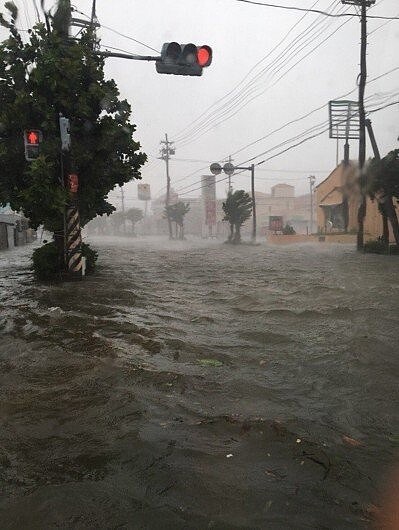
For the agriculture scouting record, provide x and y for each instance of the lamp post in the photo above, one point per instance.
(229, 169)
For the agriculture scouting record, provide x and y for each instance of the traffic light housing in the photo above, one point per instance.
(183, 59)
(32, 140)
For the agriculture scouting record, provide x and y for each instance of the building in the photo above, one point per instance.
(14, 229)
(338, 198)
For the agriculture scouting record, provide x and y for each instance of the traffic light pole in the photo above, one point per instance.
(252, 170)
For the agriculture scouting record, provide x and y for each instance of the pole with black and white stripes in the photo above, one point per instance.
(73, 237)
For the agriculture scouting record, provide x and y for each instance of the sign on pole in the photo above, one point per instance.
(209, 197)
(143, 192)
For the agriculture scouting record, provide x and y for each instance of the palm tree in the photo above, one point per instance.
(176, 213)
(383, 184)
(237, 209)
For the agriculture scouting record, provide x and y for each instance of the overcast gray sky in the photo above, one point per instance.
(241, 36)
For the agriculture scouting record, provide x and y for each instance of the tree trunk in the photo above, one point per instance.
(237, 237)
(231, 236)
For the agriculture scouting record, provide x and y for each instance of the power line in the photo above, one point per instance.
(310, 10)
(290, 123)
(296, 145)
(208, 126)
(271, 86)
(118, 32)
(244, 78)
(246, 91)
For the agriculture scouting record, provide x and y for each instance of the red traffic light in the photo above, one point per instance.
(204, 56)
(32, 137)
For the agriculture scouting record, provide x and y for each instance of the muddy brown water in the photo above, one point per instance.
(195, 385)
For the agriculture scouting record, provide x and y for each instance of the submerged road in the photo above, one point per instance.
(196, 385)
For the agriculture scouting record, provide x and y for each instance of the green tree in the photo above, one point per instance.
(383, 185)
(118, 220)
(176, 214)
(134, 215)
(41, 77)
(237, 209)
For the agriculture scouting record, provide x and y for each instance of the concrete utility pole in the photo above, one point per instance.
(253, 203)
(123, 208)
(363, 4)
(312, 180)
(230, 186)
(165, 155)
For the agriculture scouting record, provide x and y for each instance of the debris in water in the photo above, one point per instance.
(351, 441)
(210, 362)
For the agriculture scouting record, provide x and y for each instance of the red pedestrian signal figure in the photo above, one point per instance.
(32, 140)
(183, 59)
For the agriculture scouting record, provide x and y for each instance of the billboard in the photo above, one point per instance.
(208, 189)
(143, 192)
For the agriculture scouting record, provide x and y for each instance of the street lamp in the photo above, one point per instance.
(229, 169)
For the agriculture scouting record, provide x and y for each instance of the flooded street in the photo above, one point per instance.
(199, 385)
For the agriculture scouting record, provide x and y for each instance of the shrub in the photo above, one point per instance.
(375, 247)
(288, 230)
(48, 264)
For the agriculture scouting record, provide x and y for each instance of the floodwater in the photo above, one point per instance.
(196, 385)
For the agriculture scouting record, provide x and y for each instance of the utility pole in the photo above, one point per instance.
(72, 231)
(93, 13)
(253, 203)
(364, 4)
(312, 180)
(123, 208)
(230, 186)
(165, 155)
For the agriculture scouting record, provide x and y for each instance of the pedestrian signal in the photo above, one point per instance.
(32, 140)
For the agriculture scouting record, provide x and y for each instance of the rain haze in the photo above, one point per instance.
(199, 348)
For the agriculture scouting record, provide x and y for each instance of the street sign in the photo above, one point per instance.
(73, 183)
(143, 192)
(210, 212)
(229, 168)
(215, 168)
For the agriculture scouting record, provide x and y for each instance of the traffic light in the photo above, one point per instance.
(32, 140)
(183, 59)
